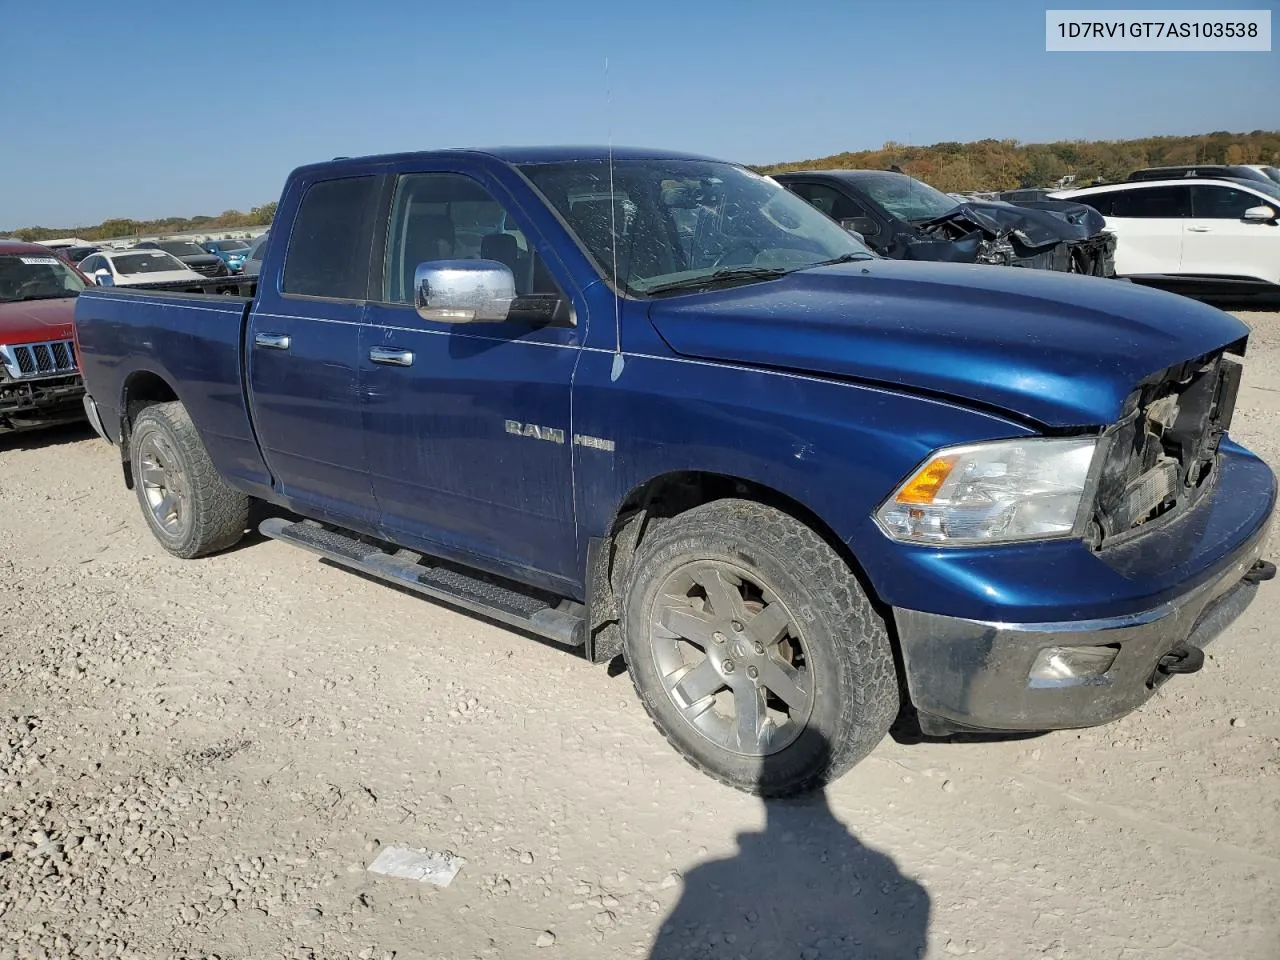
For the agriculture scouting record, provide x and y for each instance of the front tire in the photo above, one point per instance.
(755, 650)
(191, 510)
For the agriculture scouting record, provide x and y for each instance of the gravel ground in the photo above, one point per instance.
(200, 759)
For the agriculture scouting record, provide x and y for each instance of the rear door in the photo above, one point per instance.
(1148, 224)
(468, 426)
(1220, 243)
(303, 350)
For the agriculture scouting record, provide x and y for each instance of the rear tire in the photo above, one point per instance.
(191, 510)
(755, 650)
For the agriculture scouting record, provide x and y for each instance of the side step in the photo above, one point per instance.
(541, 613)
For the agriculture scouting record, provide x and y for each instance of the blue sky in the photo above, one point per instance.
(144, 110)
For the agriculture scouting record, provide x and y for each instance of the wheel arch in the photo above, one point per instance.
(668, 495)
(141, 389)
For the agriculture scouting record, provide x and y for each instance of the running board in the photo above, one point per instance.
(556, 619)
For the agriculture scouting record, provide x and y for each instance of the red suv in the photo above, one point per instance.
(40, 381)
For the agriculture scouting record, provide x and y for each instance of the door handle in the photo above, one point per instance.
(272, 341)
(1200, 229)
(391, 356)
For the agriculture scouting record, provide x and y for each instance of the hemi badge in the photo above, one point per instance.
(596, 443)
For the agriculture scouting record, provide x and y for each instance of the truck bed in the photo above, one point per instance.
(162, 335)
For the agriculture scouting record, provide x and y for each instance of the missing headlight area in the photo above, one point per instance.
(1160, 457)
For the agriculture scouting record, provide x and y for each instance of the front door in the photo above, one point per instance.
(468, 427)
(1220, 242)
(303, 354)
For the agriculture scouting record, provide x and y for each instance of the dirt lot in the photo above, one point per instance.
(200, 759)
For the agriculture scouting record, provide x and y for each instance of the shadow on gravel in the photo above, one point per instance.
(38, 439)
(804, 888)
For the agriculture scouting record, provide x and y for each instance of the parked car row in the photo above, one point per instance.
(1200, 229)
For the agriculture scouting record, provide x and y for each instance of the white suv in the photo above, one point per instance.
(1192, 233)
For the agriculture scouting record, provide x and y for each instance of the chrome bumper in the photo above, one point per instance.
(975, 675)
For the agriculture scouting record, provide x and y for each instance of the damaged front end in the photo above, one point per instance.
(1160, 458)
(1040, 235)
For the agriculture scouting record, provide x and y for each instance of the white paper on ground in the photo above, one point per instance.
(421, 865)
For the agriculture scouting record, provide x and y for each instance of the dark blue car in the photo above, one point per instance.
(656, 407)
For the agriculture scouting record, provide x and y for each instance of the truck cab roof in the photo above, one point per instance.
(513, 155)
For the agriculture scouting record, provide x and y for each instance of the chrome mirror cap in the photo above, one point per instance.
(463, 291)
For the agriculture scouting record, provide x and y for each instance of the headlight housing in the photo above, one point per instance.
(996, 492)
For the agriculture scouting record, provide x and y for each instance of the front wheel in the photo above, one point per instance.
(755, 650)
(191, 510)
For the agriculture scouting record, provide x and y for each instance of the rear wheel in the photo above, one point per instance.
(191, 510)
(755, 650)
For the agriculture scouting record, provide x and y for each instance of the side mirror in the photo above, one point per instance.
(1259, 214)
(102, 277)
(463, 291)
(863, 226)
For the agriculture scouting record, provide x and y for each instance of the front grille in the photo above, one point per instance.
(1161, 455)
(26, 361)
(209, 269)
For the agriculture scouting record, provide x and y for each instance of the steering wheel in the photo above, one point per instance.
(751, 249)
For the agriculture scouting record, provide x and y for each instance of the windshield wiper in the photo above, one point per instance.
(723, 275)
(844, 258)
(47, 296)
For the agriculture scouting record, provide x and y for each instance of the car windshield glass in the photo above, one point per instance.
(181, 248)
(1272, 173)
(675, 221)
(905, 197)
(31, 276)
(1263, 186)
(226, 246)
(154, 262)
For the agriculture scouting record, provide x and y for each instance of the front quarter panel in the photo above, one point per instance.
(836, 448)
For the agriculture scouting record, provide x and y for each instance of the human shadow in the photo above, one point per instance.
(803, 888)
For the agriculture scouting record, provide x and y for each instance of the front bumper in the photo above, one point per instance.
(969, 674)
(27, 404)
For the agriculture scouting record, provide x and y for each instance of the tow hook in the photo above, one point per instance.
(1183, 658)
(1261, 570)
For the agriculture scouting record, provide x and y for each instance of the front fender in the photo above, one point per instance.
(836, 448)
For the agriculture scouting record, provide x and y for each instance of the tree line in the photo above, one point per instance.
(123, 227)
(1008, 164)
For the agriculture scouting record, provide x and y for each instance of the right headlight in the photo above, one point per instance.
(994, 492)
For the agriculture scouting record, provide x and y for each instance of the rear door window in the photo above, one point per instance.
(1165, 203)
(1104, 203)
(329, 248)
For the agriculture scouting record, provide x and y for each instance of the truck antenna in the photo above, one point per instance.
(618, 360)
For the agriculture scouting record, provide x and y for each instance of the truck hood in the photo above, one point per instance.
(1061, 350)
(36, 321)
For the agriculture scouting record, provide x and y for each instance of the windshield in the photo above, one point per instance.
(228, 245)
(1273, 173)
(181, 248)
(154, 262)
(678, 220)
(1262, 186)
(26, 276)
(905, 197)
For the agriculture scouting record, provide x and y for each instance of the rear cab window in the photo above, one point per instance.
(331, 242)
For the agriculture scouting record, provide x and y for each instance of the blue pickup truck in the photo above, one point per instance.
(655, 407)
